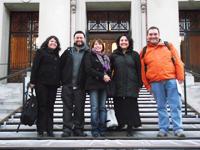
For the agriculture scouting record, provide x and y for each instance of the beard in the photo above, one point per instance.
(79, 45)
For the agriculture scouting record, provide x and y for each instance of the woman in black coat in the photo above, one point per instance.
(45, 77)
(126, 67)
(97, 66)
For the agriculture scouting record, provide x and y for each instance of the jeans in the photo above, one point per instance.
(98, 110)
(166, 92)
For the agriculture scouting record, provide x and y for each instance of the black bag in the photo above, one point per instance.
(29, 110)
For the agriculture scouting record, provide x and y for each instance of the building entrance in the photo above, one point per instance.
(108, 26)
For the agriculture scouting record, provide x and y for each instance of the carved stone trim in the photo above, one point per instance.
(73, 6)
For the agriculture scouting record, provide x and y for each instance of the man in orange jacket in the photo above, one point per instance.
(161, 67)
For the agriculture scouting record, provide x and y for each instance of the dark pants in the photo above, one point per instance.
(127, 111)
(46, 95)
(73, 108)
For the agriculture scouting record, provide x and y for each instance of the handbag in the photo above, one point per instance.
(29, 110)
(111, 118)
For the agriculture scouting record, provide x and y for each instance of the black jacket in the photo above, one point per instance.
(95, 73)
(67, 68)
(46, 67)
(127, 73)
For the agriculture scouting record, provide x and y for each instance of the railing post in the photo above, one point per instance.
(23, 89)
(185, 93)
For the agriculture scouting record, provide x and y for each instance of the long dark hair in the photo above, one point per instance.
(130, 40)
(45, 43)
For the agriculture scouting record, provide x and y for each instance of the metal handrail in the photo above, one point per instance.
(185, 91)
(21, 72)
(15, 74)
(193, 73)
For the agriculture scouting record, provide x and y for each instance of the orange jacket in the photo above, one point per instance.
(159, 64)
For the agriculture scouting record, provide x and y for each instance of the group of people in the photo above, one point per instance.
(81, 69)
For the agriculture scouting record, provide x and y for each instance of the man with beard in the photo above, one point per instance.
(73, 84)
(161, 67)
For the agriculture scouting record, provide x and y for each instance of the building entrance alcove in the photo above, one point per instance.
(107, 21)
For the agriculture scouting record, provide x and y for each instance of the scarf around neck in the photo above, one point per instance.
(104, 60)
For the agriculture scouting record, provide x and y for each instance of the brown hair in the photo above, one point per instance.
(98, 41)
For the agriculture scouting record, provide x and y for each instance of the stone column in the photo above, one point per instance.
(73, 20)
(164, 15)
(4, 39)
(81, 19)
(55, 21)
(136, 24)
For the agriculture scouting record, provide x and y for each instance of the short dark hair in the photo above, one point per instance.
(45, 43)
(153, 27)
(79, 32)
(98, 41)
(130, 40)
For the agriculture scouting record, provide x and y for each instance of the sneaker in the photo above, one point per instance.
(180, 134)
(162, 134)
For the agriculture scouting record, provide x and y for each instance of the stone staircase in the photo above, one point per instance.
(11, 99)
(144, 137)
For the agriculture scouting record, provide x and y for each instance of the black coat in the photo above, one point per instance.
(46, 67)
(95, 73)
(127, 73)
(67, 69)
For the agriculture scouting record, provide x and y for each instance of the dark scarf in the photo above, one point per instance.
(104, 59)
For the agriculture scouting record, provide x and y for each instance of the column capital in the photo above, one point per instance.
(73, 6)
(143, 6)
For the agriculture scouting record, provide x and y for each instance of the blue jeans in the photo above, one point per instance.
(98, 110)
(166, 92)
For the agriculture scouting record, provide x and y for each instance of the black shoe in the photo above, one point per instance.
(66, 134)
(102, 134)
(129, 134)
(129, 131)
(40, 134)
(50, 134)
(79, 133)
(120, 127)
(95, 134)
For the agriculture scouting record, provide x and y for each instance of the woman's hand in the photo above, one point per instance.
(106, 78)
(31, 85)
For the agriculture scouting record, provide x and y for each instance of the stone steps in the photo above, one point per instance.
(144, 137)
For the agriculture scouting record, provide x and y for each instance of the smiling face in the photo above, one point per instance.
(52, 43)
(123, 42)
(98, 47)
(153, 36)
(79, 39)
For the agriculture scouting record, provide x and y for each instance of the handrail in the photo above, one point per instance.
(18, 73)
(193, 73)
(185, 91)
(14, 74)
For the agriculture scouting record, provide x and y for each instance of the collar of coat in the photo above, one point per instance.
(119, 52)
